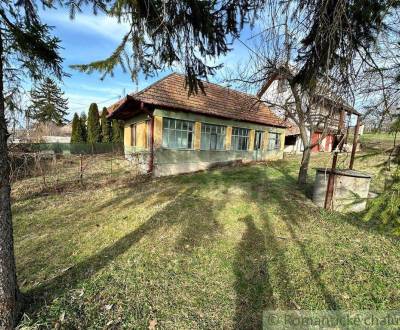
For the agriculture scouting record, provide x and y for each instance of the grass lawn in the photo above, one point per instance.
(206, 250)
(378, 140)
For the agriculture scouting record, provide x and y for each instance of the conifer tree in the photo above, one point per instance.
(48, 103)
(83, 121)
(386, 207)
(76, 135)
(93, 124)
(105, 127)
(27, 50)
(117, 134)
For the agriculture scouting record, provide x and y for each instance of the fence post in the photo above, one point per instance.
(43, 172)
(80, 169)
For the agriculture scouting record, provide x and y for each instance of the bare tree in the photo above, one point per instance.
(378, 87)
(274, 69)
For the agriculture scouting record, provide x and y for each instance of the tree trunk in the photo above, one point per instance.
(380, 123)
(8, 279)
(305, 161)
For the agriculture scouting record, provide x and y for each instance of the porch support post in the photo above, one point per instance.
(355, 142)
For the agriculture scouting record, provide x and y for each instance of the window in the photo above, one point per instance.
(177, 134)
(274, 141)
(133, 135)
(240, 138)
(258, 140)
(212, 137)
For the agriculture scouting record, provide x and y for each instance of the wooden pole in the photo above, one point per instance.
(80, 169)
(151, 146)
(355, 142)
(331, 179)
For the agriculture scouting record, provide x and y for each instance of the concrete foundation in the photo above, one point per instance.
(172, 162)
(350, 190)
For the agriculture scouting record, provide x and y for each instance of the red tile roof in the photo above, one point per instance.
(292, 128)
(170, 92)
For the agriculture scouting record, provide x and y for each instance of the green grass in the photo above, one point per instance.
(378, 141)
(206, 250)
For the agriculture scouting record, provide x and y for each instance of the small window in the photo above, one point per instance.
(212, 137)
(177, 134)
(133, 135)
(240, 138)
(274, 141)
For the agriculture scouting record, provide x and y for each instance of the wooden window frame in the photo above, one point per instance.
(238, 135)
(174, 130)
(133, 135)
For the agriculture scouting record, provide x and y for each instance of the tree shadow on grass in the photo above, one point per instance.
(292, 210)
(177, 212)
(253, 289)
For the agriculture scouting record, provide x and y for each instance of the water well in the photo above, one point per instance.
(350, 189)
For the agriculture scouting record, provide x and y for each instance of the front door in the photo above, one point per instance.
(258, 138)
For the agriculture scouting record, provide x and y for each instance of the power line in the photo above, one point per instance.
(100, 102)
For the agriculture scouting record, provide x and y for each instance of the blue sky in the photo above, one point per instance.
(88, 38)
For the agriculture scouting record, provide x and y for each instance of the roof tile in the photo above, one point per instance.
(217, 100)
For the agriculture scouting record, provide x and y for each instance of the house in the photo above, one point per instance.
(325, 114)
(168, 132)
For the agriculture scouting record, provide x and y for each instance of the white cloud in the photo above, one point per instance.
(107, 26)
(103, 90)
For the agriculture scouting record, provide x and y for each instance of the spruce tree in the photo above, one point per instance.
(117, 134)
(83, 121)
(28, 51)
(105, 127)
(93, 124)
(48, 103)
(385, 208)
(76, 135)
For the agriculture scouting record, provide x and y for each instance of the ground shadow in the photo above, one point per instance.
(292, 211)
(253, 290)
(283, 193)
(161, 221)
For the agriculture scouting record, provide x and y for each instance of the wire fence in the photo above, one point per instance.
(41, 172)
(70, 148)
